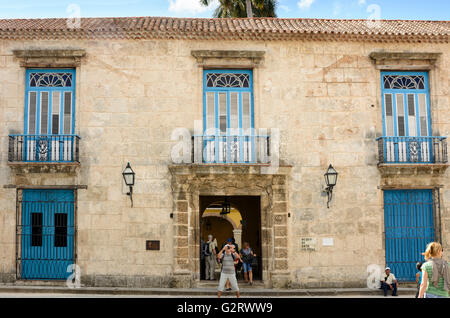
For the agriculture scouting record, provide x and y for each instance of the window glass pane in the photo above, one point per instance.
(36, 229)
(234, 111)
(210, 111)
(60, 230)
(411, 106)
(246, 109)
(423, 114)
(67, 112)
(400, 114)
(223, 112)
(32, 113)
(44, 113)
(56, 101)
(412, 123)
(389, 116)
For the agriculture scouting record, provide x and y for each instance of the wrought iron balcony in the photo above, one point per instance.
(412, 150)
(43, 148)
(230, 149)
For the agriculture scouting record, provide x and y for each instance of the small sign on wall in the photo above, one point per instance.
(327, 241)
(152, 245)
(308, 244)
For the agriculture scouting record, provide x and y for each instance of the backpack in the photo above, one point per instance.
(247, 258)
(206, 249)
(444, 271)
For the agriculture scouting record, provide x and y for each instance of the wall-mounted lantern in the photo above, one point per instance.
(226, 207)
(330, 179)
(128, 176)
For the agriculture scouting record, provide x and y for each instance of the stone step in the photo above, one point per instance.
(246, 291)
(213, 284)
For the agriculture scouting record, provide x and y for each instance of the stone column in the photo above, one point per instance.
(237, 234)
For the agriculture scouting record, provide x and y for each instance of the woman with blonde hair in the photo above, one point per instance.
(435, 273)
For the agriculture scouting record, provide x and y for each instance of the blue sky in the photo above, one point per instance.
(332, 9)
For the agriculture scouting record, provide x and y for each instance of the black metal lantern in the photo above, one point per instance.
(226, 207)
(128, 177)
(330, 179)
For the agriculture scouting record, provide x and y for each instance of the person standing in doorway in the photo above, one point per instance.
(202, 258)
(228, 255)
(210, 258)
(435, 273)
(247, 256)
(418, 277)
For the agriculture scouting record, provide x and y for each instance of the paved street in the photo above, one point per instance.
(64, 295)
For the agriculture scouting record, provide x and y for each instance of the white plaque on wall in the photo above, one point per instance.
(327, 241)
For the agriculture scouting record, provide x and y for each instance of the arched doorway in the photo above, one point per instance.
(243, 223)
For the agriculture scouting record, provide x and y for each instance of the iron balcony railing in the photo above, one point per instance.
(43, 148)
(412, 150)
(227, 149)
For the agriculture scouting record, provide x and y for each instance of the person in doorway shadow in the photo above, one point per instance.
(247, 256)
(210, 257)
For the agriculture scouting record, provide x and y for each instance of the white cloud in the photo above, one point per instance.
(337, 8)
(191, 6)
(285, 8)
(361, 2)
(305, 4)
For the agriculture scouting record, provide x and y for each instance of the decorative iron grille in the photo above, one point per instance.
(43, 148)
(404, 82)
(412, 150)
(231, 149)
(56, 79)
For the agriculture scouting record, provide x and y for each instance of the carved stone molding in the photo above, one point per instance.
(50, 57)
(228, 58)
(393, 171)
(404, 60)
(189, 182)
(43, 167)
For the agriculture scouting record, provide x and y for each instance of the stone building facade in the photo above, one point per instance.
(317, 88)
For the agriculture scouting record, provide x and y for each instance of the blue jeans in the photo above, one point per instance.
(247, 267)
(385, 288)
(433, 296)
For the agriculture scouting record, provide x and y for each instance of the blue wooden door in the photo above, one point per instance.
(409, 228)
(47, 236)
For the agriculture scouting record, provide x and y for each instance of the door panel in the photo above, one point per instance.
(409, 227)
(47, 233)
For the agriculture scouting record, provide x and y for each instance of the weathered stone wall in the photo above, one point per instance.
(130, 95)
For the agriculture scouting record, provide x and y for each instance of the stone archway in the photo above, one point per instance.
(191, 181)
(234, 218)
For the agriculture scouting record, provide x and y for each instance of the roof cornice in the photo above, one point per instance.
(251, 29)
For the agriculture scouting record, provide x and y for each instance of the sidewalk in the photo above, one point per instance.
(206, 292)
